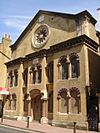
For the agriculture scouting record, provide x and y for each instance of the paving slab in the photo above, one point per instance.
(40, 128)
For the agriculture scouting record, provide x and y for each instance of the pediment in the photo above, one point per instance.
(45, 30)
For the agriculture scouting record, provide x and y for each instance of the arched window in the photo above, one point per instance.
(63, 101)
(74, 59)
(75, 100)
(25, 75)
(25, 103)
(50, 102)
(8, 103)
(16, 78)
(13, 102)
(63, 67)
(33, 75)
(36, 74)
(49, 71)
(11, 76)
(39, 69)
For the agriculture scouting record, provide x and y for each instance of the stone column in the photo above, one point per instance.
(20, 92)
(69, 103)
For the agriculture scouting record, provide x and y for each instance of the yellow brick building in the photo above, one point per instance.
(54, 71)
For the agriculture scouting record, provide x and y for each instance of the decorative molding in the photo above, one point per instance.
(75, 89)
(68, 44)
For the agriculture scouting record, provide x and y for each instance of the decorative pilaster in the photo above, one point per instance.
(28, 78)
(20, 92)
(29, 105)
(44, 77)
(44, 119)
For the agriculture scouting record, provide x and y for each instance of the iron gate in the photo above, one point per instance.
(93, 113)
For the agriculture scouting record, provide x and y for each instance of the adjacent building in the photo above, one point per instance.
(5, 55)
(54, 73)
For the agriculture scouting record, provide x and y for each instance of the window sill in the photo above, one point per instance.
(69, 113)
(68, 79)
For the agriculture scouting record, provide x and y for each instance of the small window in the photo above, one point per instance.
(25, 75)
(63, 101)
(39, 68)
(16, 77)
(50, 102)
(11, 76)
(75, 100)
(13, 101)
(49, 71)
(63, 68)
(74, 66)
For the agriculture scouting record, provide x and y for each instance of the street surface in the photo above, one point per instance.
(7, 129)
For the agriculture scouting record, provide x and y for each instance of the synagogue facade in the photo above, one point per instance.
(53, 73)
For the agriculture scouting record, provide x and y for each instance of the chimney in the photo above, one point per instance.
(7, 37)
(98, 10)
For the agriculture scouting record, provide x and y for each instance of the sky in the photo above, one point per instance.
(15, 15)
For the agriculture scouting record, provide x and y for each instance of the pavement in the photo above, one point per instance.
(39, 128)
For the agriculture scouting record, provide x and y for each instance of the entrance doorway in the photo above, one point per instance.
(37, 108)
(36, 104)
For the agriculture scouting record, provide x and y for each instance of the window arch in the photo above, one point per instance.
(62, 101)
(75, 100)
(74, 60)
(63, 68)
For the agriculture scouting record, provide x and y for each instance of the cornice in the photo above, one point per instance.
(14, 62)
(68, 44)
(74, 42)
(38, 54)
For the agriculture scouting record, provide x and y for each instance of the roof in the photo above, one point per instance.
(64, 15)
